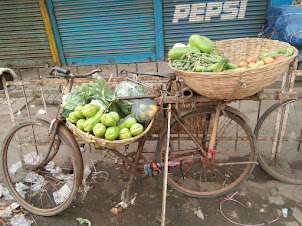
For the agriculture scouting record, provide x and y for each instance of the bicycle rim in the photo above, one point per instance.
(234, 149)
(279, 137)
(42, 188)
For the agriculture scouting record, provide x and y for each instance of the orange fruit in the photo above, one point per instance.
(268, 60)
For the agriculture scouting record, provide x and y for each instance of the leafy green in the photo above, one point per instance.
(128, 89)
(83, 221)
(73, 99)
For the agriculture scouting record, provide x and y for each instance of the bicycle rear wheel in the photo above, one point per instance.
(234, 152)
(43, 183)
(279, 140)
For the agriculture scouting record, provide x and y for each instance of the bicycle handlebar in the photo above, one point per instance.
(62, 72)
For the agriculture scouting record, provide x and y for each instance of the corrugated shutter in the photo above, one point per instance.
(102, 32)
(23, 40)
(217, 20)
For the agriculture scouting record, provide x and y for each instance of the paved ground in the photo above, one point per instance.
(262, 197)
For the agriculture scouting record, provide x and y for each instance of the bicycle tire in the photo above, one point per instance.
(209, 188)
(53, 190)
(286, 167)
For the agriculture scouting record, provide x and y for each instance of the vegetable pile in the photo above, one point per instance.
(200, 55)
(94, 109)
(274, 56)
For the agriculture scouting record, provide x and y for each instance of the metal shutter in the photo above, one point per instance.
(104, 32)
(217, 20)
(23, 40)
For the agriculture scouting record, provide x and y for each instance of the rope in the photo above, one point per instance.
(230, 198)
(241, 83)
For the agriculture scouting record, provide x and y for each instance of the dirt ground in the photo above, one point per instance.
(260, 205)
(257, 203)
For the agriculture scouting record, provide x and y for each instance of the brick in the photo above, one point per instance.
(28, 74)
(163, 67)
(147, 67)
(107, 70)
(127, 67)
(84, 69)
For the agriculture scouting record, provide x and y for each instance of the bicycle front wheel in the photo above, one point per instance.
(279, 139)
(234, 154)
(43, 182)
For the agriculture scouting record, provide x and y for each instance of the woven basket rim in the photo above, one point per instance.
(106, 143)
(209, 83)
(230, 72)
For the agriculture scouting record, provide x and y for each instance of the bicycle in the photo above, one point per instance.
(206, 159)
(278, 133)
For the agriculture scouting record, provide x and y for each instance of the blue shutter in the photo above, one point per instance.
(216, 19)
(105, 32)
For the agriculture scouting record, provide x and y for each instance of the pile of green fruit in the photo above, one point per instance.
(89, 118)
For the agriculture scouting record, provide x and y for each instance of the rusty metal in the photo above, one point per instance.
(80, 80)
(204, 153)
(128, 168)
(134, 167)
(74, 145)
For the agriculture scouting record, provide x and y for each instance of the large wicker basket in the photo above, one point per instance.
(110, 144)
(229, 85)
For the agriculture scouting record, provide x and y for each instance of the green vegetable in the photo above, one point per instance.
(99, 130)
(78, 112)
(239, 68)
(259, 63)
(89, 110)
(112, 133)
(202, 43)
(128, 123)
(124, 134)
(289, 52)
(73, 99)
(108, 120)
(136, 129)
(72, 118)
(231, 66)
(177, 52)
(210, 68)
(199, 68)
(102, 86)
(115, 116)
(126, 88)
(273, 55)
(80, 123)
(221, 64)
(83, 221)
(91, 122)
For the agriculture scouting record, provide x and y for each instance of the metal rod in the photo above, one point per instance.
(9, 104)
(42, 93)
(134, 167)
(204, 153)
(163, 212)
(63, 81)
(140, 83)
(235, 163)
(25, 97)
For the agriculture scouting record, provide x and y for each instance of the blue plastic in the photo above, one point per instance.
(285, 24)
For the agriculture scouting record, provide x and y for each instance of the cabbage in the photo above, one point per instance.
(124, 89)
(73, 99)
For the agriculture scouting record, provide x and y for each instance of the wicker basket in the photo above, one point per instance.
(229, 85)
(110, 144)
